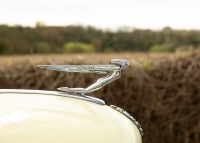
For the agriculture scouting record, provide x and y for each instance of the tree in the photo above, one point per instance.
(2, 48)
(77, 47)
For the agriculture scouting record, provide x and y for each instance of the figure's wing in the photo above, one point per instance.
(99, 69)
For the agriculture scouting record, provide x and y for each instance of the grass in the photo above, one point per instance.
(98, 58)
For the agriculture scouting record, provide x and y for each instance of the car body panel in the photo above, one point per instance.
(40, 118)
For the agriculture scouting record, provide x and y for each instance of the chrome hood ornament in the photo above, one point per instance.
(113, 70)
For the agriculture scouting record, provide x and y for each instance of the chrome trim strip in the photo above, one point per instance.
(45, 92)
(130, 117)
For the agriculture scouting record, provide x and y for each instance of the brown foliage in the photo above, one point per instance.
(165, 100)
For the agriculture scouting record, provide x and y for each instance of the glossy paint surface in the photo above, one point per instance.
(36, 118)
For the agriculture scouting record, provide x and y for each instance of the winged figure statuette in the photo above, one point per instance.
(113, 70)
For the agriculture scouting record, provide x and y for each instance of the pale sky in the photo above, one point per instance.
(112, 14)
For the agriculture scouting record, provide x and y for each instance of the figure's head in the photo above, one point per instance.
(121, 62)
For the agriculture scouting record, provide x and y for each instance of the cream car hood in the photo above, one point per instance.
(40, 118)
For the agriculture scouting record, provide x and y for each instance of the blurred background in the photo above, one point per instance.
(160, 39)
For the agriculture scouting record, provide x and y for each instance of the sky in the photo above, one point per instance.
(104, 14)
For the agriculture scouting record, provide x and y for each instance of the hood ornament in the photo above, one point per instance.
(113, 70)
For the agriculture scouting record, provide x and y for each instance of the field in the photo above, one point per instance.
(162, 91)
(86, 58)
